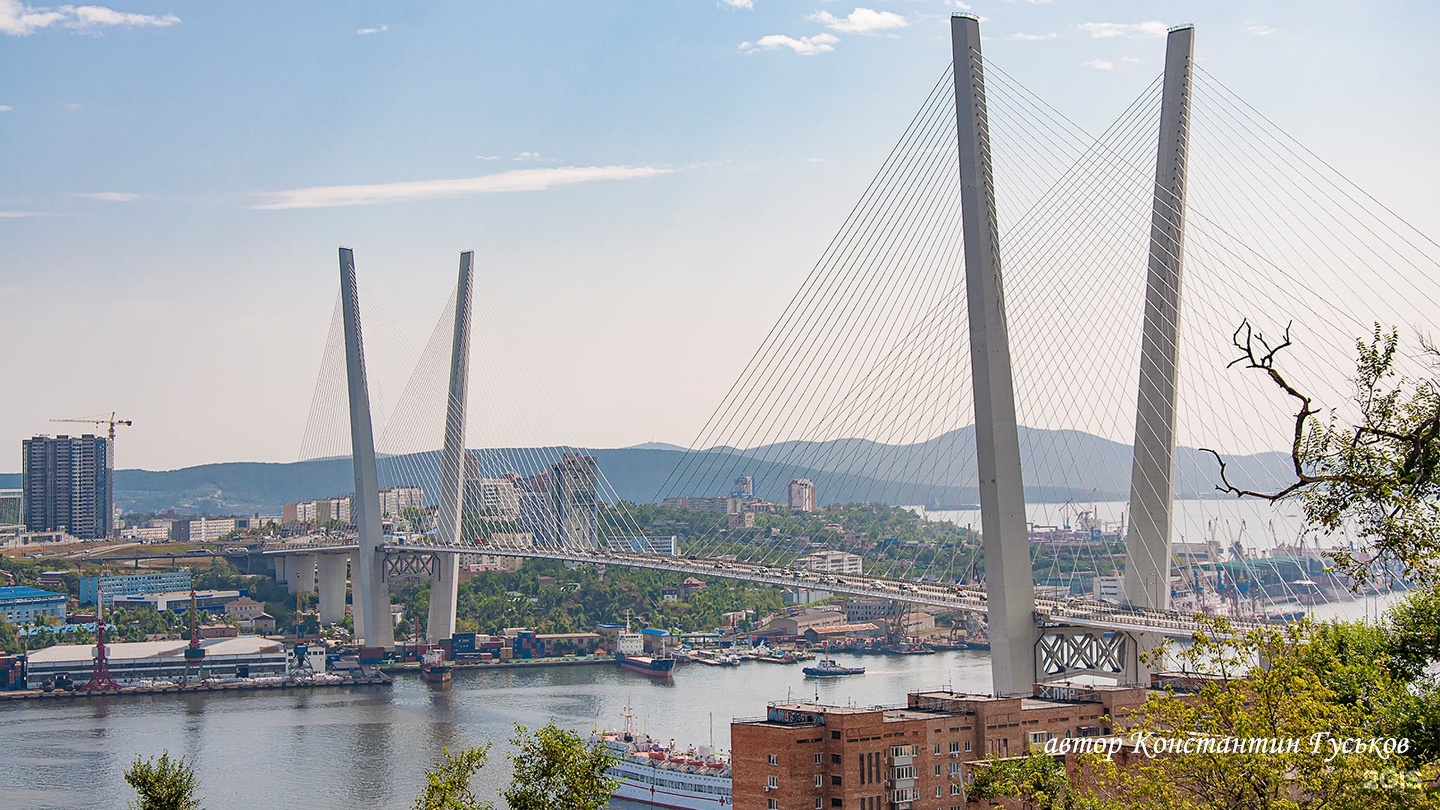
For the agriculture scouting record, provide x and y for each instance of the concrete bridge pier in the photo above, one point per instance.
(334, 572)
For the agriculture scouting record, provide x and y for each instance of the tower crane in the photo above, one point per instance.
(97, 421)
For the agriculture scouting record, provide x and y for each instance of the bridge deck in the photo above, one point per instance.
(1074, 611)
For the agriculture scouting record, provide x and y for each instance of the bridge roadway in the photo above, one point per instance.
(1070, 612)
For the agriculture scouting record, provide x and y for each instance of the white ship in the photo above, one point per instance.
(656, 774)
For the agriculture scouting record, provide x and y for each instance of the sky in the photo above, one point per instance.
(645, 184)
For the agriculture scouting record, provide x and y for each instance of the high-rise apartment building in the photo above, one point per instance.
(69, 485)
(802, 495)
(574, 497)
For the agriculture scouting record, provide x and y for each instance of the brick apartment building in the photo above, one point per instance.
(806, 756)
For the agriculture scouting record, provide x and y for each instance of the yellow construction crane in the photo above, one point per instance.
(97, 421)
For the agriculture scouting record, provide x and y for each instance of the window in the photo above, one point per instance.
(774, 759)
(835, 779)
(817, 757)
(1039, 737)
(819, 803)
(835, 758)
(954, 790)
(937, 791)
(967, 746)
(772, 804)
(954, 747)
(954, 768)
(937, 769)
(837, 802)
(937, 749)
(834, 735)
(771, 782)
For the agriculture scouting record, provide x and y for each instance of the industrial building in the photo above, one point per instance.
(242, 657)
(20, 604)
(69, 485)
(805, 755)
(12, 516)
(176, 600)
(133, 585)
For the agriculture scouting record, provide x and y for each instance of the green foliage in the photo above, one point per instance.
(1037, 782)
(582, 598)
(447, 785)
(1380, 474)
(162, 783)
(557, 770)
(9, 639)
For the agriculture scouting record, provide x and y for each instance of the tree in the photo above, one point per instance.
(9, 639)
(557, 770)
(1037, 782)
(161, 783)
(1382, 473)
(447, 785)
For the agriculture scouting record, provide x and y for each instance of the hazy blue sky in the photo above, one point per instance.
(645, 183)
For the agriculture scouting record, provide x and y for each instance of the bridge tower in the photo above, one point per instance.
(1010, 584)
(443, 587)
(1152, 476)
(372, 597)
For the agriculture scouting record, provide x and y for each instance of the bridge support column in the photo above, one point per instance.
(1011, 586)
(284, 572)
(1152, 475)
(1137, 671)
(333, 574)
(304, 572)
(372, 598)
(441, 620)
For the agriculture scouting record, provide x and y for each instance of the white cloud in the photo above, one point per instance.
(1149, 28)
(1022, 37)
(22, 214)
(109, 196)
(376, 30)
(805, 46)
(4, 108)
(18, 19)
(860, 21)
(1100, 64)
(745, 4)
(1031, 2)
(1255, 29)
(960, 4)
(409, 191)
(528, 156)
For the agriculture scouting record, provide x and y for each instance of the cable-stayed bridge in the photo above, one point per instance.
(1039, 284)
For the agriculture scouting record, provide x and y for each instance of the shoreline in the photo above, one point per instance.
(379, 679)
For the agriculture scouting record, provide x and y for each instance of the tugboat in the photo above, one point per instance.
(829, 668)
(434, 670)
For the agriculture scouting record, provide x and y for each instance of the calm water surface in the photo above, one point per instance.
(366, 747)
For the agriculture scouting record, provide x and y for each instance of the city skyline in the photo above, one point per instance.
(179, 225)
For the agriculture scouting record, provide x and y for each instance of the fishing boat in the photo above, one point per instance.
(830, 668)
(651, 773)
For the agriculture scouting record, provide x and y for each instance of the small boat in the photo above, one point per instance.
(830, 668)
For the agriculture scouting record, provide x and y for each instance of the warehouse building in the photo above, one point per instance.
(20, 605)
(242, 657)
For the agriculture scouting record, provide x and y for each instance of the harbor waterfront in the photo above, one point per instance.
(368, 746)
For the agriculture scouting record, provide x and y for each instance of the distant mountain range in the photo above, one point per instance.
(1059, 465)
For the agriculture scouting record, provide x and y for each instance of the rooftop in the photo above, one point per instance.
(174, 648)
(26, 592)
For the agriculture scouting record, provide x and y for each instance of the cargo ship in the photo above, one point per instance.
(434, 669)
(650, 773)
(630, 653)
